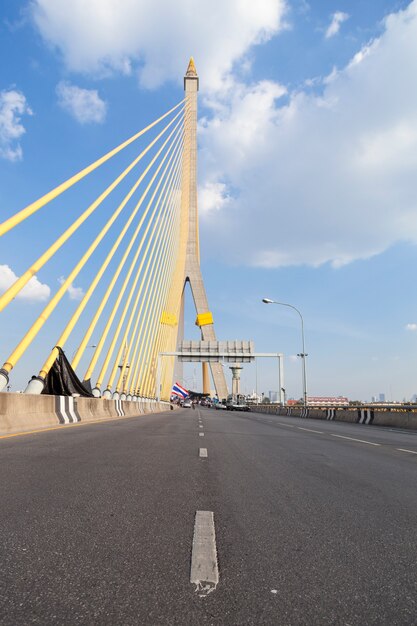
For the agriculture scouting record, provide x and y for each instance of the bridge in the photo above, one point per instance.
(154, 253)
(117, 509)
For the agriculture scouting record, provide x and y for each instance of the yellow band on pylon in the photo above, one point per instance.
(168, 318)
(204, 318)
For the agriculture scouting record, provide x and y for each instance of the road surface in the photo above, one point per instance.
(288, 521)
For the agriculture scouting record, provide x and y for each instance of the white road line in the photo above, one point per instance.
(201, 434)
(310, 431)
(370, 443)
(200, 425)
(287, 425)
(204, 572)
(410, 451)
(203, 453)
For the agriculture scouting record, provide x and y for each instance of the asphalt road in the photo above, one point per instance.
(314, 524)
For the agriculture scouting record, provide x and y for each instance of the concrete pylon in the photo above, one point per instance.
(236, 369)
(192, 262)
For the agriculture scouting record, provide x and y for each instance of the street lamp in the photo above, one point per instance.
(301, 354)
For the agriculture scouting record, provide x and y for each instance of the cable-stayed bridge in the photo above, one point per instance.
(179, 517)
(142, 248)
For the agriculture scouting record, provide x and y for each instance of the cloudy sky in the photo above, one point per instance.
(307, 165)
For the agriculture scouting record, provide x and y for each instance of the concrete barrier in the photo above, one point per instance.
(367, 416)
(396, 419)
(21, 412)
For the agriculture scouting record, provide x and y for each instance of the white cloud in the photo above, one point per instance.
(314, 179)
(74, 293)
(412, 327)
(13, 105)
(102, 36)
(213, 196)
(337, 20)
(34, 291)
(304, 179)
(85, 105)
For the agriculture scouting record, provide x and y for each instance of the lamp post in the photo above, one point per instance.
(301, 354)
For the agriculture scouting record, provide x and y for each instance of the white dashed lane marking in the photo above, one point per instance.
(204, 570)
(203, 453)
(320, 432)
(370, 443)
(309, 430)
(404, 450)
(201, 434)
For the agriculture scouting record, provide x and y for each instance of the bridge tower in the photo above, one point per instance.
(192, 273)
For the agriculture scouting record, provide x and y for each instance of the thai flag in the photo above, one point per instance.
(177, 390)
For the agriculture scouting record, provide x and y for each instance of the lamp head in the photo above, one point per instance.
(267, 301)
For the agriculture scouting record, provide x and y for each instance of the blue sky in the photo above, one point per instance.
(307, 161)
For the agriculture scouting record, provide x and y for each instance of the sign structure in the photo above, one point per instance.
(216, 351)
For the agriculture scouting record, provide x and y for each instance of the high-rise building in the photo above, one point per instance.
(382, 397)
(273, 396)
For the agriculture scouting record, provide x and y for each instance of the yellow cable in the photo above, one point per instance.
(145, 322)
(18, 285)
(154, 348)
(153, 315)
(138, 347)
(111, 348)
(137, 376)
(149, 272)
(135, 335)
(33, 331)
(158, 259)
(38, 204)
(117, 360)
(104, 334)
(75, 317)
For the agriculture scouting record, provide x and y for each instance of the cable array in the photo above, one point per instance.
(130, 302)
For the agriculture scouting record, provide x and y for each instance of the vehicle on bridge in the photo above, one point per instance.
(236, 403)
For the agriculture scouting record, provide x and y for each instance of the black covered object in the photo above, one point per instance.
(63, 381)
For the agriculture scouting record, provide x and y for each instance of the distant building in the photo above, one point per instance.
(327, 401)
(273, 396)
(253, 398)
(382, 397)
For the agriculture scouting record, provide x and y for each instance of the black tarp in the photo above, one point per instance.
(63, 381)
